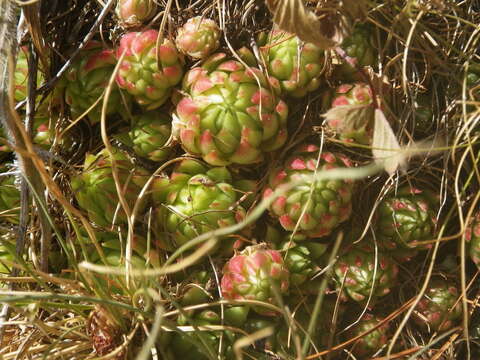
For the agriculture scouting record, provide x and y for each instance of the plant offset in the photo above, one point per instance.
(242, 180)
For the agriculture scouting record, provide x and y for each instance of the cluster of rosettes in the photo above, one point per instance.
(226, 113)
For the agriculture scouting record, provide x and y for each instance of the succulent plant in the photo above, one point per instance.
(95, 188)
(4, 147)
(302, 308)
(368, 344)
(423, 113)
(133, 13)
(43, 132)
(296, 65)
(358, 128)
(21, 75)
(314, 208)
(473, 75)
(365, 274)
(197, 199)
(86, 80)
(358, 51)
(147, 72)
(255, 274)
(114, 257)
(440, 308)
(149, 135)
(196, 290)
(198, 37)
(201, 344)
(404, 217)
(472, 235)
(255, 323)
(7, 249)
(300, 259)
(9, 198)
(229, 114)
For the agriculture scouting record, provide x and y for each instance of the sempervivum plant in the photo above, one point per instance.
(43, 133)
(230, 114)
(7, 249)
(295, 64)
(424, 113)
(21, 75)
(134, 12)
(360, 127)
(114, 257)
(368, 344)
(440, 308)
(472, 235)
(302, 311)
(365, 274)
(300, 259)
(198, 37)
(255, 274)
(357, 51)
(4, 147)
(403, 217)
(149, 134)
(95, 188)
(196, 199)
(473, 75)
(9, 198)
(147, 72)
(311, 209)
(87, 79)
(202, 344)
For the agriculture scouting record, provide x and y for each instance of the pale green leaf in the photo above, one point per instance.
(385, 147)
